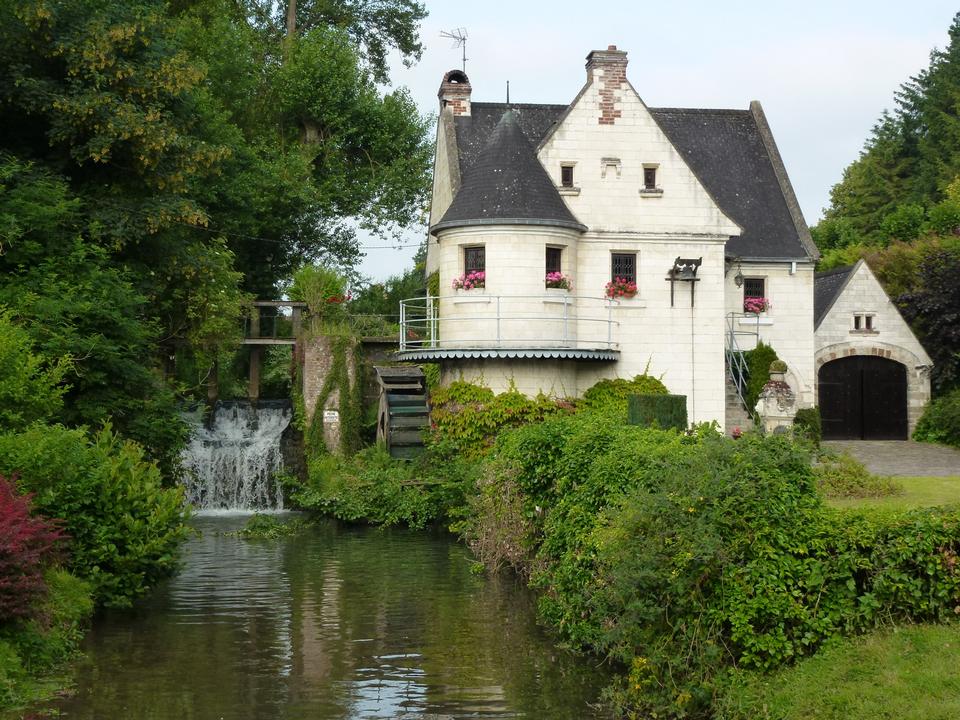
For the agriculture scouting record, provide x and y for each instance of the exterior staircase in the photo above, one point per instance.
(736, 414)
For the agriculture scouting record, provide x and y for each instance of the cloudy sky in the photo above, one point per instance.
(824, 70)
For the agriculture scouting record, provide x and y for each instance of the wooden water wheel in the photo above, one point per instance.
(404, 411)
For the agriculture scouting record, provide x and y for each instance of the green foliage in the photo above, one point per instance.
(664, 411)
(374, 487)
(940, 421)
(270, 527)
(125, 528)
(683, 556)
(611, 395)
(807, 424)
(469, 417)
(933, 310)
(758, 372)
(31, 388)
(323, 289)
(843, 476)
(31, 649)
(433, 283)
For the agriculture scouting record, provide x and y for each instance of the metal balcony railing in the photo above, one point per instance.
(509, 321)
(736, 362)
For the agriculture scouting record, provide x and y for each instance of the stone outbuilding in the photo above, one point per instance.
(873, 375)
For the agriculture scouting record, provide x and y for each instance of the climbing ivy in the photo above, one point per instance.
(350, 404)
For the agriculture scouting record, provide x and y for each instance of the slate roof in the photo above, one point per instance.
(506, 184)
(726, 149)
(827, 287)
(475, 129)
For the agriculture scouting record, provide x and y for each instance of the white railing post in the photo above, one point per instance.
(609, 324)
(431, 318)
(403, 326)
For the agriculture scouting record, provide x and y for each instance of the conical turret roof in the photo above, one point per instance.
(507, 185)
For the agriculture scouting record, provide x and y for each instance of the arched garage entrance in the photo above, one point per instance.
(863, 397)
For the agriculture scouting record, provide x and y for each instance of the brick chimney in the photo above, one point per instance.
(609, 69)
(455, 91)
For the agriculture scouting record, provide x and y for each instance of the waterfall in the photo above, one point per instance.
(232, 463)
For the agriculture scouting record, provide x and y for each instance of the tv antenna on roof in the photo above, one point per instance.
(459, 37)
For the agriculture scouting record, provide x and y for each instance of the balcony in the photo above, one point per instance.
(473, 324)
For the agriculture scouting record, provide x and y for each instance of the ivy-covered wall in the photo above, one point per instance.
(330, 380)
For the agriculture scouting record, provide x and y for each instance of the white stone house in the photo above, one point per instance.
(694, 206)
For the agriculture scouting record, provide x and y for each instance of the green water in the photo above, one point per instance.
(335, 623)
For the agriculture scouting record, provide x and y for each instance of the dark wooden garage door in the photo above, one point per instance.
(863, 398)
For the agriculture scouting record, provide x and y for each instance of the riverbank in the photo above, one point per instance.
(676, 556)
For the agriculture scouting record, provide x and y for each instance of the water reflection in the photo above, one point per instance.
(336, 623)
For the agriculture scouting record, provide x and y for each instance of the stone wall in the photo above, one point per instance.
(317, 363)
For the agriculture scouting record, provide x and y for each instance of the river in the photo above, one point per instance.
(334, 623)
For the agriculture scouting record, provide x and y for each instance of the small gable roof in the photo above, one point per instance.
(827, 287)
(506, 185)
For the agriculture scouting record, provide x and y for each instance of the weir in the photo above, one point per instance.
(231, 462)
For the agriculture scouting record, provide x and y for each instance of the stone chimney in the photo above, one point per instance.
(455, 92)
(608, 68)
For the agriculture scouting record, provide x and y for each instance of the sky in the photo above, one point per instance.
(823, 70)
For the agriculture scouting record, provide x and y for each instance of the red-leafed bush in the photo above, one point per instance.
(27, 546)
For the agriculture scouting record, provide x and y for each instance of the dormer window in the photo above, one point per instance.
(566, 176)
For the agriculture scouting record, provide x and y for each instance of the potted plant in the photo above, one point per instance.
(557, 281)
(620, 288)
(756, 304)
(470, 281)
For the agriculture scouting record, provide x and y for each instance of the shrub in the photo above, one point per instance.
(469, 417)
(664, 411)
(807, 425)
(758, 372)
(376, 488)
(31, 648)
(940, 422)
(27, 545)
(844, 476)
(612, 394)
(125, 528)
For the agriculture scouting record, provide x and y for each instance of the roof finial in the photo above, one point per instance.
(459, 37)
(508, 92)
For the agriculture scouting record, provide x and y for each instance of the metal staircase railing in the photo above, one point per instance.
(736, 363)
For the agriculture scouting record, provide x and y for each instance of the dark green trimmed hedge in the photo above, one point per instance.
(663, 411)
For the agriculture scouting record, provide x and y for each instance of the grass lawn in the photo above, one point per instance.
(909, 674)
(918, 492)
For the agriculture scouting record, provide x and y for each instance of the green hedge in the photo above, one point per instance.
(941, 421)
(663, 411)
(682, 556)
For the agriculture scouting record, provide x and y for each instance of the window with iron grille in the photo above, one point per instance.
(754, 287)
(566, 175)
(649, 178)
(624, 266)
(474, 259)
(554, 256)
